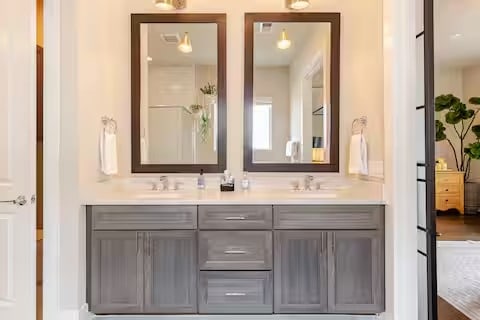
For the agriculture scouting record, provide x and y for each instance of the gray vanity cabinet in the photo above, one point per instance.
(356, 272)
(170, 272)
(300, 272)
(116, 272)
(175, 260)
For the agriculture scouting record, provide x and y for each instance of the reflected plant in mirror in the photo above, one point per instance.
(292, 92)
(181, 95)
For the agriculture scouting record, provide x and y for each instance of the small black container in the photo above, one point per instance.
(227, 187)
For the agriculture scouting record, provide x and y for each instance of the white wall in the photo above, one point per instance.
(274, 82)
(103, 72)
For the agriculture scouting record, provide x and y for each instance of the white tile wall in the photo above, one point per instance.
(420, 58)
(420, 135)
(421, 204)
(422, 288)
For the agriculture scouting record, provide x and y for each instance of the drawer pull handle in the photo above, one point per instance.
(235, 294)
(235, 252)
(235, 218)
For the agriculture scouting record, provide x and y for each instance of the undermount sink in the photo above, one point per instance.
(161, 195)
(311, 195)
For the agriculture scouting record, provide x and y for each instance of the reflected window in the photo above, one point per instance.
(262, 124)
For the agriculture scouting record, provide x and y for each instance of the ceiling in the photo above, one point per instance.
(266, 51)
(204, 42)
(457, 34)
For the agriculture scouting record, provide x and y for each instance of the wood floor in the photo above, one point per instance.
(458, 228)
(447, 312)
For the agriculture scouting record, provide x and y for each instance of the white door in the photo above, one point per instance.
(17, 159)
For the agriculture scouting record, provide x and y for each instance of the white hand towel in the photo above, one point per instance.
(289, 149)
(143, 150)
(108, 153)
(358, 155)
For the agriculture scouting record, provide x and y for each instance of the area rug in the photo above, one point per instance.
(458, 265)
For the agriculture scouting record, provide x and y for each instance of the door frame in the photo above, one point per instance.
(429, 76)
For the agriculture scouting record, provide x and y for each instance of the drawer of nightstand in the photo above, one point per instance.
(447, 202)
(448, 188)
(235, 250)
(448, 179)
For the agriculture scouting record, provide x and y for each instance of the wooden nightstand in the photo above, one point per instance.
(450, 192)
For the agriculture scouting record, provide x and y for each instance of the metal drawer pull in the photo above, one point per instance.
(235, 294)
(235, 252)
(235, 218)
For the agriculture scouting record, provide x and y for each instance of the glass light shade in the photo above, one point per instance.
(318, 155)
(185, 45)
(298, 4)
(284, 43)
(164, 4)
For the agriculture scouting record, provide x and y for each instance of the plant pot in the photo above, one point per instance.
(472, 198)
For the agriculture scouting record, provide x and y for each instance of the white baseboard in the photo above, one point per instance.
(240, 317)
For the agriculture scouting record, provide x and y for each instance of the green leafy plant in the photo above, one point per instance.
(204, 126)
(461, 119)
(196, 108)
(209, 89)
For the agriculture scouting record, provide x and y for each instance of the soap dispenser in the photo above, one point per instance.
(201, 181)
(245, 181)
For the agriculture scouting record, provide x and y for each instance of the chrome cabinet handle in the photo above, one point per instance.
(235, 252)
(235, 218)
(235, 294)
(20, 201)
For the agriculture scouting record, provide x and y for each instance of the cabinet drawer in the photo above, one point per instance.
(447, 188)
(328, 217)
(448, 178)
(144, 217)
(447, 202)
(235, 250)
(230, 292)
(235, 217)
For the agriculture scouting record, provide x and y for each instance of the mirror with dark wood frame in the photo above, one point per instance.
(292, 79)
(178, 93)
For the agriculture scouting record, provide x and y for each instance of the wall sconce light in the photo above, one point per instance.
(185, 45)
(284, 43)
(297, 4)
(170, 4)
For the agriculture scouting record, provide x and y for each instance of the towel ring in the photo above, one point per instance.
(359, 124)
(109, 124)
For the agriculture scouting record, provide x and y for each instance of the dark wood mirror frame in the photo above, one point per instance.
(250, 20)
(220, 21)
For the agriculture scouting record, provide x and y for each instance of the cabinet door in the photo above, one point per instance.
(356, 272)
(116, 282)
(170, 272)
(300, 272)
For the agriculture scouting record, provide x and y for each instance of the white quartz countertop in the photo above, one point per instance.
(356, 193)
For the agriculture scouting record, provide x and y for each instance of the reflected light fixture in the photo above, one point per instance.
(298, 4)
(185, 45)
(170, 4)
(284, 43)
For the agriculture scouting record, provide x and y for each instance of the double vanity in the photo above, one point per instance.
(258, 251)
(231, 255)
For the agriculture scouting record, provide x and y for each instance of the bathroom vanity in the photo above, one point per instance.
(236, 259)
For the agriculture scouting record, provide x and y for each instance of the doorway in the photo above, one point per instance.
(457, 91)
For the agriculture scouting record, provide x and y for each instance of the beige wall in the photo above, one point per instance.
(463, 83)
(274, 82)
(471, 88)
(102, 70)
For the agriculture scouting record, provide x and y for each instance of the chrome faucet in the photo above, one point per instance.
(165, 183)
(308, 183)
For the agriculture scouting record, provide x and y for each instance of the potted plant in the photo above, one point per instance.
(461, 119)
